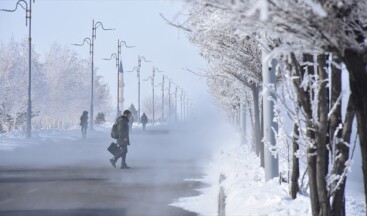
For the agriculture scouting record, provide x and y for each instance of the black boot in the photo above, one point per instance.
(124, 166)
(113, 162)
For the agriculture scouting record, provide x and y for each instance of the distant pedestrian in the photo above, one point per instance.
(123, 139)
(131, 121)
(84, 123)
(144, 120)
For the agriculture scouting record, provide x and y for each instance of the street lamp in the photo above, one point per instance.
(169, 96)
(28, 10)
(138, 76)
(152, 82)
(91, 51)
(169, 99)
(186, 107)
(162, 99)
(176, 102)
(181, 97)
(120, 69)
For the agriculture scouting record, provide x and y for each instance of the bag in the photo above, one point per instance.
(114, 130)
(114, 149)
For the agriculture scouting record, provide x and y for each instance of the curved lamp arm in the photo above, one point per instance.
(142, 57)
(113, 55)
(156, 69)
(124, 43)
(100, 24)
(86, 40)
(135, 68)
(24, 7)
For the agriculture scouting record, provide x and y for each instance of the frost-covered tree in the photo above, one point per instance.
(321, 27)
(237, 55)
(134, 112)
(14, 83)
(69, 86)
(332, 26)
(60, 87)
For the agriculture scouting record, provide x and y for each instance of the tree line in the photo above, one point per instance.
(60, 87)
(313, 42)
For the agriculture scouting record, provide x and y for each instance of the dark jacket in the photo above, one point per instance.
(123, 128)
(84, 120)
(144, 119)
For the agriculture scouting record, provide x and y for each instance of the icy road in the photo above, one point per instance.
(60, 173)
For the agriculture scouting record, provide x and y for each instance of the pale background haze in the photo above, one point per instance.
(136, 22)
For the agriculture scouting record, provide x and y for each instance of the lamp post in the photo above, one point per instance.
(138, 76)
(162, 99)
(181, 97)
(91, 51)
(152, 82)
(169, 99)
(28, 9)
(187, 108)
(120, 69)
(169, 96)
(176, 103)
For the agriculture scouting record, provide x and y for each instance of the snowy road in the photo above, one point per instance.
(66, 175)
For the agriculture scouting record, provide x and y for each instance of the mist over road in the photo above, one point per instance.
(66, 175)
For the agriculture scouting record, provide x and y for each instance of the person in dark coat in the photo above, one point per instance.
(123, 139)
(84, 123)
(144, 120)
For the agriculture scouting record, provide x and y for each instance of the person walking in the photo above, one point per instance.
(122, 139)
(84, 123)
(131, 121)
(144, 120)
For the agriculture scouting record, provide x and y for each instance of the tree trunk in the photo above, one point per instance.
(358, 85)
(321, 131)
(336, 147)
(257, 129)
(338, 205)
(336, 115)
(262, 146)
(295, 164)
(304, 98)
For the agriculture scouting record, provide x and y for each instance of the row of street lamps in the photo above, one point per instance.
(90, 41)
(27, 6)
(120, 69)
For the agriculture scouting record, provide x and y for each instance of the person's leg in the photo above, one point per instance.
(114, 160)
(84, 131)
(123, 157)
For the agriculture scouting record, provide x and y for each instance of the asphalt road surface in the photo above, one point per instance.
(72, 176)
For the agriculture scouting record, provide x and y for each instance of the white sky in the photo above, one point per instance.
(136, 21)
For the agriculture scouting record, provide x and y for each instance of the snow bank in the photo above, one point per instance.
(246, 191)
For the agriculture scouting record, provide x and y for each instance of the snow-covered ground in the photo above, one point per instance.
(246, 191)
